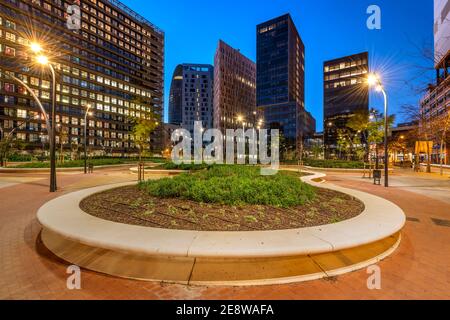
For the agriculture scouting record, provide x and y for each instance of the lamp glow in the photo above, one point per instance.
(373, 79)
(35, 47)
(42, 60)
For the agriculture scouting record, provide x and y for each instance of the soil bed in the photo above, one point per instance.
(131, 205)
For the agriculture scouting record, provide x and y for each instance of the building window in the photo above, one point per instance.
(9, 87)
(10, 51)
(21, 113)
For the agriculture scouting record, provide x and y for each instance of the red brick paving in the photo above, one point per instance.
(419, 269)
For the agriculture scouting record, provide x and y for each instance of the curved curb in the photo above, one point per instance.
(332, 170)
(380, 219)
(220, 272)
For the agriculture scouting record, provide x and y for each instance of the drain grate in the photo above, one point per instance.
(441, 223)
(412, 219)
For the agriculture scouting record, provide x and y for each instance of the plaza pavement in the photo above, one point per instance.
(419, 269)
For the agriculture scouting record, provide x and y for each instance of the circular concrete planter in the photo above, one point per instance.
(218, 258)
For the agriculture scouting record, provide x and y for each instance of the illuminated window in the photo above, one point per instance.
(21, 113)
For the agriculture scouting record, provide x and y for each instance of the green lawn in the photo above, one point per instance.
(233, 185)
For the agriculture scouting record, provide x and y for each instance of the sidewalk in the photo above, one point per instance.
(419, 269)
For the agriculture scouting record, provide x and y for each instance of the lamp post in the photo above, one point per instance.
(85, 136)
(374, 80)
(44, 61)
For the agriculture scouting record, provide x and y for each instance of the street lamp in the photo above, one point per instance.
(44, 61)
(85, 136)
(373, 80)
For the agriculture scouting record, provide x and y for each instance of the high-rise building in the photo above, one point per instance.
(234, 89)
(441, 35)
(191, 96)
(113, 60)
(345, 93)
(435, 105)
(281, 79)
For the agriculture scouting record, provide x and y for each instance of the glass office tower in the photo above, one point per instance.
(345, 93)
(281, 80)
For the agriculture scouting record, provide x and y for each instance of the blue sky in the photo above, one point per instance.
(329, 28)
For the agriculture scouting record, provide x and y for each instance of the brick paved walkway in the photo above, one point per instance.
(420, 268)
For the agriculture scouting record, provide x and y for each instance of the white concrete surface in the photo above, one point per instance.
(379, 220)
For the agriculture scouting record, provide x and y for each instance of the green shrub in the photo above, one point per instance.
(16, 157)
(339, 164)
(233, 185)
(183, 166)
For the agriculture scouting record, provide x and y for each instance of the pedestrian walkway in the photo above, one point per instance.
(419, 269)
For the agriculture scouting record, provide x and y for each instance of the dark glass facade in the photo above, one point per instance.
(281, 78)
(176, 97)
(191, 96)
(345, 92)
(113, 62)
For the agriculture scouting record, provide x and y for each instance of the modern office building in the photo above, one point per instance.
(114, 62)
(234, 89)
(436, 102)
(191, 96)
(345, 93)
(281, 79)
(441, 35)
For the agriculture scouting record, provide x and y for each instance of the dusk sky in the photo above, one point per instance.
(329, 28)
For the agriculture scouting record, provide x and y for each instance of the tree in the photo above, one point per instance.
(442, 125)
(9, 142)
(317, 150)
(345, 142)
(427, 127)
(371, 127)
(141, 131)
(63, 138)
(143, 125)
(360, 123)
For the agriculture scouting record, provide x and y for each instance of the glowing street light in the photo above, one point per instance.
(36, 47)
(373, 80)
(42, 60)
